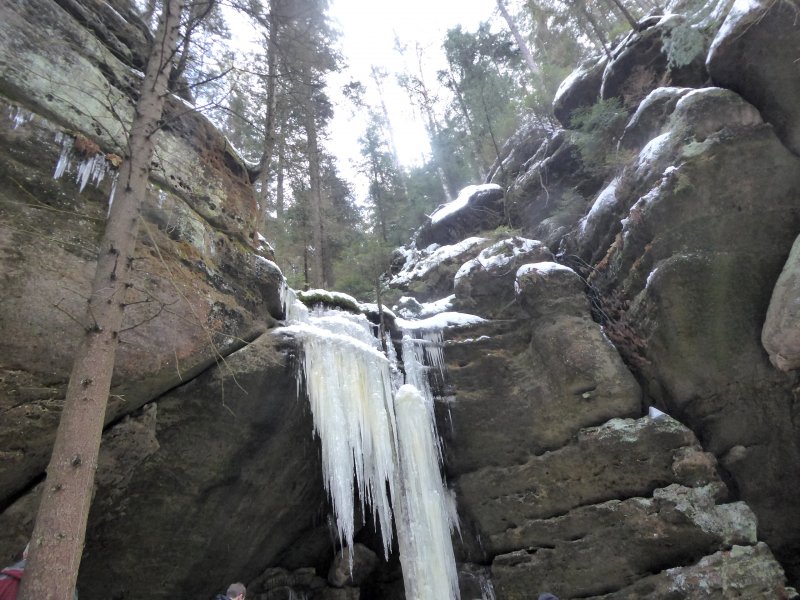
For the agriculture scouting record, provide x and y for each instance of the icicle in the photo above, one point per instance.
(487, 589)
(415, 353)
(394, 368)
(654, 413)
(113, 191)
(349, 389)
(429, 569)
(20, 116)
(294, 310)
(93, 168)
(65, 157)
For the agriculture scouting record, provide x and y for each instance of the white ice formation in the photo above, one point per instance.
(377, 428)
(94, 168)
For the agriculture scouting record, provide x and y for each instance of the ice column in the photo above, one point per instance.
(426, 515)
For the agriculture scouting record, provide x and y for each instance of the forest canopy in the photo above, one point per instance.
(333, 224)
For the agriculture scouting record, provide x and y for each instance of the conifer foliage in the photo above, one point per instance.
(275, 103)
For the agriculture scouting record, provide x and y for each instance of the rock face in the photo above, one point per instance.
(739, 61)
(659, 279)
(252, 484)
(200, 290)
(780, 336)
(675, 251)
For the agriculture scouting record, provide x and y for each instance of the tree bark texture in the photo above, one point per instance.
(58, 536)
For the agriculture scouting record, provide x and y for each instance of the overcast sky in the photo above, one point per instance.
(368, 30)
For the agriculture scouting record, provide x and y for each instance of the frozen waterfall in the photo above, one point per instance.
(382, 436)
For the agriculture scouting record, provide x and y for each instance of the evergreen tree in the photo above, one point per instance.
(60, 528)
(481, 74)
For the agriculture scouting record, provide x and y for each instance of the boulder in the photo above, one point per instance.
(516, 151)
(580, 90)
(485, 284)
(622, 458)
(670, 53)
(552, 190)
(545, 289)
(747, 57)
(546, 379)
(478, 208)
(428, 274)
(352, 566)
(651, 116)
(781, 333)
(277, 583)
(750, 570)
(609, 546)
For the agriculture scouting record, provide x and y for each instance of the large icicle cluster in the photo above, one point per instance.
(348, 383)
(383, 436)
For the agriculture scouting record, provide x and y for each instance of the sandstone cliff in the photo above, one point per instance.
(663, 278)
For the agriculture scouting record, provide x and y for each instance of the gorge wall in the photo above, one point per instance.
(660, 276)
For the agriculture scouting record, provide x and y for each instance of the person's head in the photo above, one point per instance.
(236, 591)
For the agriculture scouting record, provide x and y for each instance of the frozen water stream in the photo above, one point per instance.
(379, 439)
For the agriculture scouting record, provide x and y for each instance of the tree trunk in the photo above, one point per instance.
(377, 78)
(60, 529)
(625, 12)
(315, 198)
(279, 191)
(377, 184)
(269, 118)
(387, 126)
(198, 11)
(480, 164)
(595, 27)
(434, 130)
(523, 47)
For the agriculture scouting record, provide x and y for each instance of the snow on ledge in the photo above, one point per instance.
(431, 257)
(328, 297)
(440, 321)
(462, 200)
(543, 268)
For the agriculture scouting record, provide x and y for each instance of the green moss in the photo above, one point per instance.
(682, 45)
(684, 184)
(313, 298)
(597, 130)
(695, 149)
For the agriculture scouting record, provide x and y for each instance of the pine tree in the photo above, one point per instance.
(60, 529)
